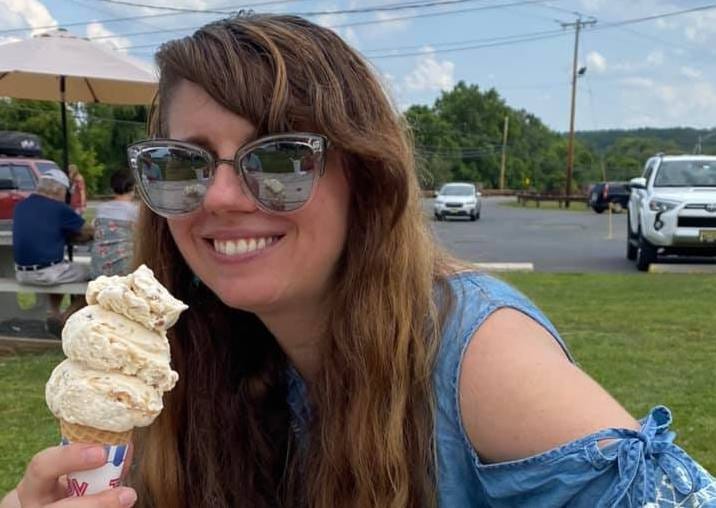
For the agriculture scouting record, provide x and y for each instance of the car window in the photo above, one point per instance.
(23, 177)
(44, 167)
(5, 172)
(457, 190)
(686, 173)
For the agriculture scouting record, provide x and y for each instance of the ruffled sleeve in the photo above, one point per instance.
(638, 468)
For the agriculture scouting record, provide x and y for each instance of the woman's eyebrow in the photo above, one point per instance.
(205, 142)
(201, 141)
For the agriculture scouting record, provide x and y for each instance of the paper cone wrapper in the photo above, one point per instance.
(84, 483)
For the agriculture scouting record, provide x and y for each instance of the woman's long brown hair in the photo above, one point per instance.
(224, 438)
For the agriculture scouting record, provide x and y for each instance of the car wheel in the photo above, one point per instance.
(438, 217)
(631, 250)
(473, 216)
(477, 215)
(631, 244)
(645, 254)
(598, 209)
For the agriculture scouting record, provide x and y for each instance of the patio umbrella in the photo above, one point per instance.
(59, 66)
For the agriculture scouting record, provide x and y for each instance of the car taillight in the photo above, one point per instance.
(605, 192)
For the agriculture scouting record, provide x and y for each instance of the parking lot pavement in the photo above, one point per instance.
(553, 240)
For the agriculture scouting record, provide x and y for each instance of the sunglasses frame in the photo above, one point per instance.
(318, 143)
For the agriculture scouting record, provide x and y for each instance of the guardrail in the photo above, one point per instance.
(525, 197)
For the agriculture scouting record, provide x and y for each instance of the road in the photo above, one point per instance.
(553, 240)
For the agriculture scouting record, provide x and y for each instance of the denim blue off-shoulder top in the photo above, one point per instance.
(640, 468)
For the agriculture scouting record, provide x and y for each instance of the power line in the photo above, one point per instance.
(139, 17)
(500, 41)
(516, 40)
(105, 11)
(388, 7)
(535, 36)
(221, 10)
(654, 17)
(454, 43)
(629, 30)
(376, 21)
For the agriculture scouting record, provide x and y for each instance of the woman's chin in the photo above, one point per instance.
(245, 299)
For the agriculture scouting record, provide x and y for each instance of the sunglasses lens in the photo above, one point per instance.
(281, 174)
(173, 179)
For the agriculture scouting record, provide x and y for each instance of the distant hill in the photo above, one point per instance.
(682, 138)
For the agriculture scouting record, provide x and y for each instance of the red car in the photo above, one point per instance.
(18, 178)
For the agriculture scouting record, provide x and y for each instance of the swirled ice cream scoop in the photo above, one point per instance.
(104, 340)
(101, 400)
(118, 364)
(137, 296)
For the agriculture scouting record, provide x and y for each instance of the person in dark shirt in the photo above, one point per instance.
(42, 226)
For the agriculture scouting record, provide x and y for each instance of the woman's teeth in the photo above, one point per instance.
(242, 245)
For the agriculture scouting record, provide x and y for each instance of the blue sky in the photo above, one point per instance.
(658, 73)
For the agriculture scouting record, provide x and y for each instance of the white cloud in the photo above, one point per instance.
(430, 74)
(655, 58)
(32, 13)
(102, 35)
(690, 72)
(699, 27)
(383, 19)
(596, 62)
(592, 5)
(636, 82)
(665, 24)
(668, 105)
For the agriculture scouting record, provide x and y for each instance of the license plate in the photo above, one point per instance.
(708, 236)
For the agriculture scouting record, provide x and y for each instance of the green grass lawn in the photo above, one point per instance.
(649, 339)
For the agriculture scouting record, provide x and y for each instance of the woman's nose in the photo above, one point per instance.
(227, 192)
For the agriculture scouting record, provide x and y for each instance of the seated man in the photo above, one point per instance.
(42, 225)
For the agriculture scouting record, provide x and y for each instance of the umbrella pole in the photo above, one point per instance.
(63, 112)
(65, 155)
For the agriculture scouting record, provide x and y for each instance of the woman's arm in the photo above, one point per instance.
(520, 395)
(545, 434)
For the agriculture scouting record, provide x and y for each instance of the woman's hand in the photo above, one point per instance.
(45, 484)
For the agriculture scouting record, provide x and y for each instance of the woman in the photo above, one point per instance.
(114, 225)
(78, 192)
(332, 355)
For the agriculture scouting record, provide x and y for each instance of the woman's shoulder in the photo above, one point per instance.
(118, 210)
(475, 296)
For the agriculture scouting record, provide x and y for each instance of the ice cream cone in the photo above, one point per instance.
(76, 433)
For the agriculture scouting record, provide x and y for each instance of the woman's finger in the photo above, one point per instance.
(121, 497)
(41, 477)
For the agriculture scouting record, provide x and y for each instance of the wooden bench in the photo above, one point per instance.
(71, 288)
(524, 197)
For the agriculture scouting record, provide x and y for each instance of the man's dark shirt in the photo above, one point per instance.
(40, 229)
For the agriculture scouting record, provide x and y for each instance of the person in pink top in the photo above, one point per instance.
(78, 199)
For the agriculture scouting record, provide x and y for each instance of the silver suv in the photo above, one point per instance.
(457, 199)
(672, 209)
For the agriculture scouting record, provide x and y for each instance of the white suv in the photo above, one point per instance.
(672, 209)
(457, 199)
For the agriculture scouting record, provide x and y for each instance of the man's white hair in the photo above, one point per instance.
(50, 188)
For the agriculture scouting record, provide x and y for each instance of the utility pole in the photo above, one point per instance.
(504, 152)
(577, 25)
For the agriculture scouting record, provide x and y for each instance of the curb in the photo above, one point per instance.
(689, 269)
(505, 267)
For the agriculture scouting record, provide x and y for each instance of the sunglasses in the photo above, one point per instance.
(279, 172)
